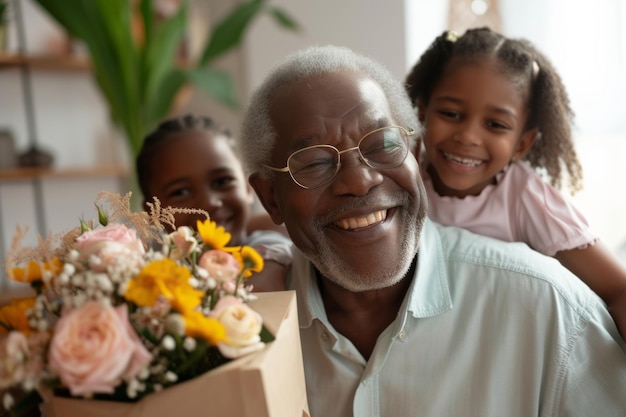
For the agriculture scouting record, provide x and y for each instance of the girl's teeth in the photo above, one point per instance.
(462, 161)
(362, 221)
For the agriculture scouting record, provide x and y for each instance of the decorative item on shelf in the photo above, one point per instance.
(8, 156)
(4, 25)
(35, 157)
(130, 320)
(135, 54)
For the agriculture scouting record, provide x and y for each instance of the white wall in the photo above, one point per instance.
(372, 27)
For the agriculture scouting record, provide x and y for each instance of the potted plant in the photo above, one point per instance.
(140, 76)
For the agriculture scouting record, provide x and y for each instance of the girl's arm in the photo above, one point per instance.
(604, 273)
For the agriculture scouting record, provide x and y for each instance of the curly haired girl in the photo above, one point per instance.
(498, 145)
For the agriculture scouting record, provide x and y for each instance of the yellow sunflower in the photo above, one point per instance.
(163, 278)
(213, 235)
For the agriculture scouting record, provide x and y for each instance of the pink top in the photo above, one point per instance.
(521, 207)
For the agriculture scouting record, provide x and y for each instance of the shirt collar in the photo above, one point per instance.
(429, 293)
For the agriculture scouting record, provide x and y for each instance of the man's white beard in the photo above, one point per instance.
(337, 270)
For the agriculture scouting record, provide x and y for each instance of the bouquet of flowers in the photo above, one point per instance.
(123, 309)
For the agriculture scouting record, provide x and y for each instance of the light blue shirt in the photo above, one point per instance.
(488, 329)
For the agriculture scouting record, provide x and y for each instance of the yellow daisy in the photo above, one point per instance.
(185, 298)
(33, 272)
(213, 235)
(249, 259)
(207, 328)
(13, 315)
(163, 278)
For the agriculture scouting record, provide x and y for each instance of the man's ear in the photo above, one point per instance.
(267, 196)
(525, 143)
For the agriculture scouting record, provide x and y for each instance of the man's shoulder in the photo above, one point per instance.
(459, 243)
(515, 261)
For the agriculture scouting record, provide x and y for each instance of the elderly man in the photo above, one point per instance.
(398, 316)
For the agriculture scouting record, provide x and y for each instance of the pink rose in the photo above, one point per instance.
(94, 347)
(111, 253)
(112, 233)
(110, 245)
(220, 265)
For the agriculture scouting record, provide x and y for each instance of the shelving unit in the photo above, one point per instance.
(45, 62)
(17, 174)
(39, 185)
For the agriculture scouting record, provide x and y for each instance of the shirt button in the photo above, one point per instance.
(402, 335)
(325, 337)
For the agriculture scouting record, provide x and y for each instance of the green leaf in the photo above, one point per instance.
(283, 19)
(159, 63)
(266, 336)
(228, 33)
(157, 108)
(216, 83)
(148, 18)
(26, 403)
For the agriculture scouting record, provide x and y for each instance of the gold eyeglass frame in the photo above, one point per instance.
(409, 132)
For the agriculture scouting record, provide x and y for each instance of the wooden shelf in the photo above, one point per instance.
(46, 62)
(18, 174)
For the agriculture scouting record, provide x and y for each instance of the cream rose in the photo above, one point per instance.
(185, 243)
(243, 327)
(94, 347)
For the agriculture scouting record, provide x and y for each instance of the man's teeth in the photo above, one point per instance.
(462, 161)
(362, 221)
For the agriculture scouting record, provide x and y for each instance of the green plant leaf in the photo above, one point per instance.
(266, 335)
(159, 62)
(227, 34)
(147, 16)
(216, 83)
(170, 85)
(27, 402)
(283, 19)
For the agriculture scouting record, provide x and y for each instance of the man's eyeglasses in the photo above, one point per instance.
(314, 166)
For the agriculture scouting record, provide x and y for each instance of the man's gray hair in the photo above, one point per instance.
(258, 136)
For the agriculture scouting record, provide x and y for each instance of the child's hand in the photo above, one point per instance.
(617, 308)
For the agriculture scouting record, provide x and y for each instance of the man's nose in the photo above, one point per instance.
(355, 177)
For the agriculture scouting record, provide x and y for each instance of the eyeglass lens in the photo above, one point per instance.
(314, 166)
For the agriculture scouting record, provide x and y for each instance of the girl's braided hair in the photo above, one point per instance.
(537, 81)
(165, 130)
